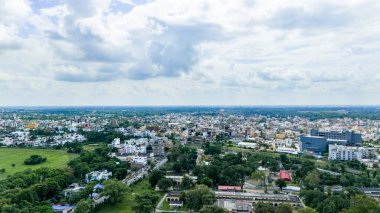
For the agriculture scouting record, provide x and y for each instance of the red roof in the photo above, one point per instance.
(285, 175)
(224, 188)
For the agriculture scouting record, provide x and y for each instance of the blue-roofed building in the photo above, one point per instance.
(98, 186)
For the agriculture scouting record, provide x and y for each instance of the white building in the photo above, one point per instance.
(116, 143)
(143, 160)
(247, 145)
(341, 152)
(98, 176)
(287, 150)
(7, 141)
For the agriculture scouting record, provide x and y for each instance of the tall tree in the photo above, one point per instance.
(155, 176)
(84, 206)
(362, 204)
(264, 208)
(186, 183)
(164, 184)
(199, 197)
(312, 180)
(213, 209)
(145, 202)
(284, 208)
(281, 183)
(115, 189)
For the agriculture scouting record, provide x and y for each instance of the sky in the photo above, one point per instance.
(187, 52)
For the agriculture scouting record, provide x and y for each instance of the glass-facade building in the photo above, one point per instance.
(318, 141)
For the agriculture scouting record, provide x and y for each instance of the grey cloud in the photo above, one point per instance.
(268, 76)
(105, 73)
(168, 53)
(10, 46)
(173, 52)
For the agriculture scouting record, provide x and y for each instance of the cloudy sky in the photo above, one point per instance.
(196, 52)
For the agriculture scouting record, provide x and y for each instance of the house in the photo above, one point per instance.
(371, 192)
(247, 145)
(98, 176)
(178, 178)
(73, 188)
(173, 196)
(116, 143)
(284, 175)
(98, 186)
(229, 188)
(175, 204)
(63, 209)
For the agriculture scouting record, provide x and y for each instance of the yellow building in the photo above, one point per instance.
(280, 136)
(32, 125)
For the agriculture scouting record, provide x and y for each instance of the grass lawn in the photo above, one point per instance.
(9, 156)
(166, 207)
(125, 206)
(91, 147)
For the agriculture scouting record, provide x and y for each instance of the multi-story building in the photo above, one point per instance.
(340, 152)
(318, 141)
(158, 148)
(351, 137)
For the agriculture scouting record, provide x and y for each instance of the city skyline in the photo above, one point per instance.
(186, 53)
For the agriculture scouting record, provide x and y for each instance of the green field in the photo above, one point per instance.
(9, 156)
(125, 206)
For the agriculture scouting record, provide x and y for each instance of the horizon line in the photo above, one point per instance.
(184, 105)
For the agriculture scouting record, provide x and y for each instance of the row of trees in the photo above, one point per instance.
(182, 158)
(28, 191)
(98, 160)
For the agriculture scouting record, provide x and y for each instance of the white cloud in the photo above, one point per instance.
(189, 52)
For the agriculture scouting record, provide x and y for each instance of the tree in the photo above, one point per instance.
(306, 210)
(164, 184)
(362, 203)
(145, 202)
(34, 159)
(284, 208)
(155, 176)
(199, 197)
(80, 170)
(264, 208)
(187, 183)
(327, 207)
(206, 181)
(149, 149)
(213, 209)
(281, 183)
(84, 206)
(312, 180)
(313, 197)
(115, 189)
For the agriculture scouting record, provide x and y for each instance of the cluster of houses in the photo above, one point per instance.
(97, 198)
(138, 151)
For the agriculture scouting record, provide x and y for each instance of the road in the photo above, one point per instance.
(142, 172)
